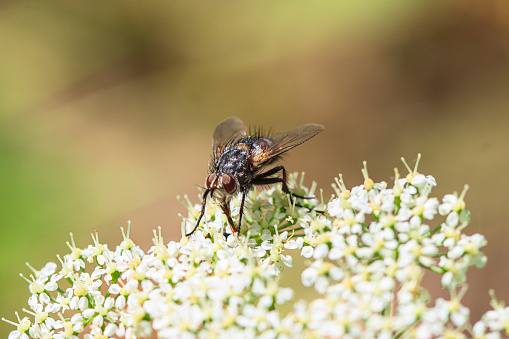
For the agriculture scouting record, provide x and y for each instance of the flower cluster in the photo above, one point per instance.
(367, 250)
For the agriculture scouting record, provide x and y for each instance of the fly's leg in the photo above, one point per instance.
(226, 210)
(241, 211)
(265, 179)
(204, 202)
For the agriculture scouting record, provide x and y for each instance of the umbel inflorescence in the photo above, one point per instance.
(367, 251)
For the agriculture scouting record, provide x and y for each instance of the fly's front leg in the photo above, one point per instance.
(226, 210)
(204, 202)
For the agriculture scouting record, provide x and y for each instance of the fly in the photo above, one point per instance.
(239, 162)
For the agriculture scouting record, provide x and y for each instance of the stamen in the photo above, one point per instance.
(462, 226)
(25, 278)
(127, 243)
(396, 174)
(313, 188)
(10, 322)
(368, 182)
(462, 291)
(336, 189)
(158, 239)
(291, 203)
(17, 316)
(60, 259)
(460, 204)
(464, 192)
(36, 272)
(185, 201)
(71, 246)
(301, 182)
(72, 240)
(183, 240)
(397, 186)
(28, 311)
(417, 162)
(128, 230)
(414, 173)
(406, 165)
(96, 238)
(345, 194)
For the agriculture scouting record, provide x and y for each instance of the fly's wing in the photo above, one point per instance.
(274, 145)
(226, 132)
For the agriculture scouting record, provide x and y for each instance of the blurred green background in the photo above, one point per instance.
(107, 111)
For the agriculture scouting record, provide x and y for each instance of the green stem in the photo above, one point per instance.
(403, 331)
(365, 227)
(433, 231)
(433, 269)
(397, 203)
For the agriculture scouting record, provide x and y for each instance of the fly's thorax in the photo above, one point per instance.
(234, 161)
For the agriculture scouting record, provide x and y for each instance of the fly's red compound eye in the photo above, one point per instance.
(210, 180)
(228, 183)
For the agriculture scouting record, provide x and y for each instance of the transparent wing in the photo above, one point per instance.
(281, 142)
(228, 131)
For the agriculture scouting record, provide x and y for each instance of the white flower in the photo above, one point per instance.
(321, 251)
(366, 256)
(287, 260)
(309, 276)
(334, 208)
(307, 251)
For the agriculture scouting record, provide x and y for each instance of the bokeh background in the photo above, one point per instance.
(107, 111)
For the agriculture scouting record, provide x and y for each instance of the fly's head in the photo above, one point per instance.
(222, 186)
